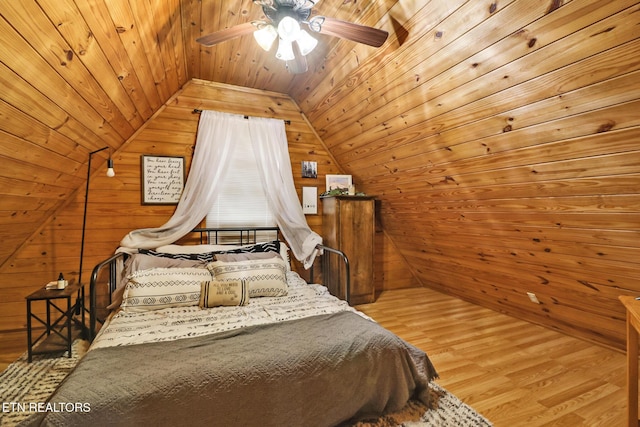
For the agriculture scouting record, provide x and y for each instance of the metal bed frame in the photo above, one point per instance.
(246, 235)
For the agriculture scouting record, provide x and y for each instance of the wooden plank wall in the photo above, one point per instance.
(503, 143)
(115, 203)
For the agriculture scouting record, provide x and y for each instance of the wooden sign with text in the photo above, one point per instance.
(162, 179)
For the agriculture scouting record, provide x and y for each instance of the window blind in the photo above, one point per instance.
(242, 201)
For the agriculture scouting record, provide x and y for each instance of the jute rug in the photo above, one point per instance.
(23, 384)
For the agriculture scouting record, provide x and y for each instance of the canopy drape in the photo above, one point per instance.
(269, 140)
(214, 145)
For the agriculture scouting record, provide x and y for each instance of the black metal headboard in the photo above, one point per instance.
(236, 236)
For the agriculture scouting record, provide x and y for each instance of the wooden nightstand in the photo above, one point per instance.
(58, 334)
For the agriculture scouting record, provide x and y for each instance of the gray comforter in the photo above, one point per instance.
(318, 371)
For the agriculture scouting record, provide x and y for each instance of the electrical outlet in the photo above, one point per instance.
(533, 297)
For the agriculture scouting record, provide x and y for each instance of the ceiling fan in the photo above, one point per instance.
(286, 18)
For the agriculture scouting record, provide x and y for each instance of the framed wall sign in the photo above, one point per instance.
(162, 179)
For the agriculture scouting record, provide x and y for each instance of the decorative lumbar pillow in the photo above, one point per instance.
(159, 288)
(265, 277)
(215, 293)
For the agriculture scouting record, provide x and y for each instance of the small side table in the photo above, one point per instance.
(57, 335)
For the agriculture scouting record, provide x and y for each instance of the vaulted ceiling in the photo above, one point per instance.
(76, 76)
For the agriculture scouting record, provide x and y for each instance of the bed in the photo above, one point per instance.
(212, 334)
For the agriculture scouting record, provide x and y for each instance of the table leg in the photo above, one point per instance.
(69, 318)
(48, 317)
(29, 343)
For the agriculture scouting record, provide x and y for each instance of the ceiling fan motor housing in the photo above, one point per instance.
(295, 9)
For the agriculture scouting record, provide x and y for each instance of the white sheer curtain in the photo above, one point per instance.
(269, 141)
(208, 167)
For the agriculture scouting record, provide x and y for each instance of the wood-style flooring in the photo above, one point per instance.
(512, 372)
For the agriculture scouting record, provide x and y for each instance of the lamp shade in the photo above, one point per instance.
(265, 36)
(285, 50)
(288, 29)
(306, 42)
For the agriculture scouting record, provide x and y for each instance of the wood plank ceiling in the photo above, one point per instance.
(76, 76)
(499, 135)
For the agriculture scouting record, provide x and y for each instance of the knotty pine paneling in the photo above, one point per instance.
(505, 155)
(115, 203)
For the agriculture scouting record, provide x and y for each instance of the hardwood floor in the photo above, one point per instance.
(512, 372)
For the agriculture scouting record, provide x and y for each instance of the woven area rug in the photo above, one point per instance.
(449, 411)
(22, 384)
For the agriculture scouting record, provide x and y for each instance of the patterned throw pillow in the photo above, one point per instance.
(265, 277)
(273, 246)
(202, 257)
(159, 288)
(215, 293)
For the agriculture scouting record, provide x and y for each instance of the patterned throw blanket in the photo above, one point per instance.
(321, 370)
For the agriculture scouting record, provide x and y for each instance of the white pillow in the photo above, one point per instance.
(265, 277)
(159, 288)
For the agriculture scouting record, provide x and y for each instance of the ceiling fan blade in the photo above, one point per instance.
(350, 31)
(227, 34)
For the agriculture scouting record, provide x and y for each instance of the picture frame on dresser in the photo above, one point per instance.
(338, 181)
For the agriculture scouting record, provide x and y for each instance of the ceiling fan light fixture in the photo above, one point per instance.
(288, 29)
(306, 42)
(283, 19)
(285, 50)
(265, 36)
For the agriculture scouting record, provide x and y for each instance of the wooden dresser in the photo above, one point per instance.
(348, 224)
(633, 328)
